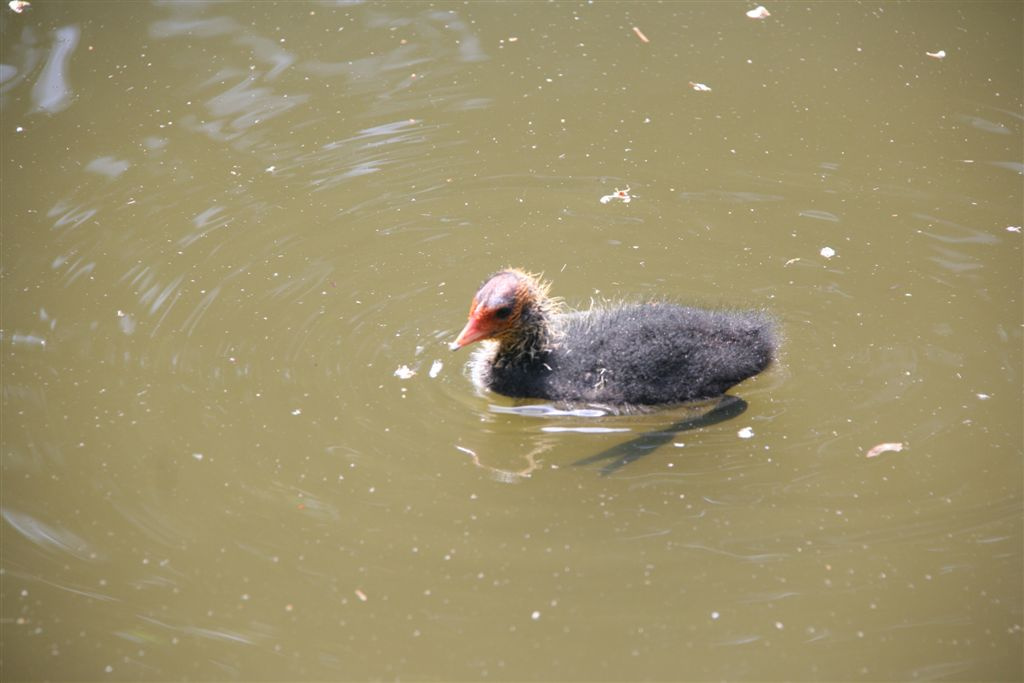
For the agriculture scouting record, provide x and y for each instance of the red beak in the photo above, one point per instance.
(473, 331)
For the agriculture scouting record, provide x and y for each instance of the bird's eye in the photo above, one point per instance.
(503, 312)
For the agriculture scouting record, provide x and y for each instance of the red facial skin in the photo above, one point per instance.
(495, 309)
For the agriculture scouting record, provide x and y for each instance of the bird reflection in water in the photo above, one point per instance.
(699, 415)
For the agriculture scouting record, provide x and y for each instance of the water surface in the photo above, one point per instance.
(227, 226)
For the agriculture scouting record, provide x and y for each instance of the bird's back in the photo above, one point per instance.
(642, 354)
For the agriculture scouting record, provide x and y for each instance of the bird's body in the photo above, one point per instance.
(625, 356)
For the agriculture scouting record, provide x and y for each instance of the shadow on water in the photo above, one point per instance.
(634, 449)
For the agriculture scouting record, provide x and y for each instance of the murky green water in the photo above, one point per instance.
(226, 226)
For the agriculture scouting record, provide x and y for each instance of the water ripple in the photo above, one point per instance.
(52, 92)
(48, 536)
(202, 28)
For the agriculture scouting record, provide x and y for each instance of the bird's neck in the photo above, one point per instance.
(535, 335)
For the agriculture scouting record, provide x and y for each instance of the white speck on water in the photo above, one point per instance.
(827, 252)
(297, 411)
(536, 615)
(983, 397)
(435, 369)
(745, 433)
(198, 456)
(714, 616)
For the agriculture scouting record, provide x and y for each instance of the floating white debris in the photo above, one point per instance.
(297, 412)
(941, 54)
(622, 195)
(404, 372)
(19, 6)
(700, 87)
(361, 595)
(790, 261)
(535, 615)
(640, 35)
(435, 369)
(884, 448)
(197, 456)
(827, 252)
(983, 397)
(746, 433)
(759, 12)
(1012, 228)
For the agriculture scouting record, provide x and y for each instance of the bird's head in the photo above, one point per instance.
(504, 308)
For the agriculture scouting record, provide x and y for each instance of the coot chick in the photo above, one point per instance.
(629, 357)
